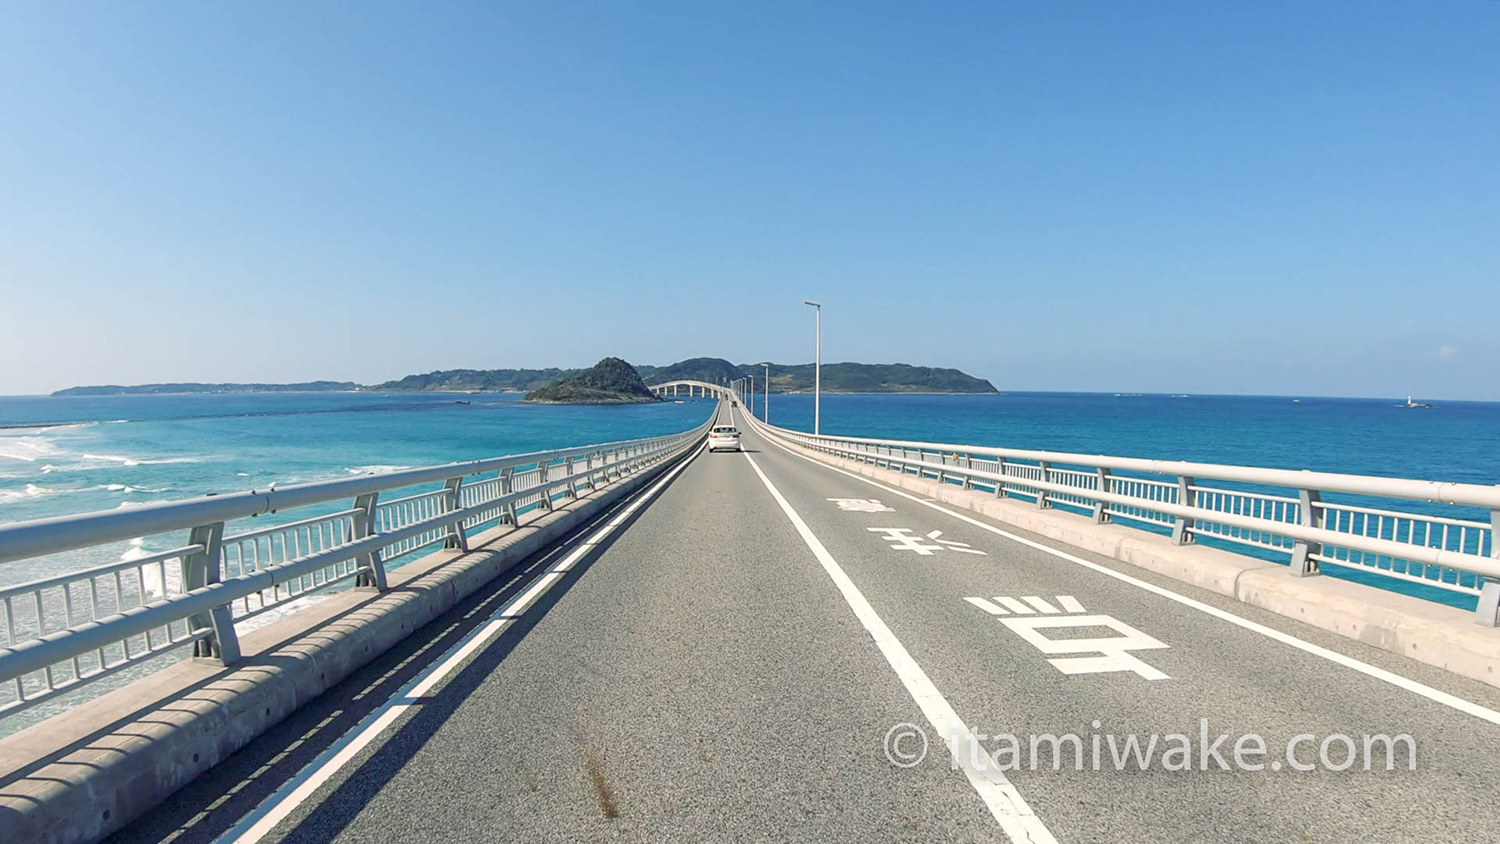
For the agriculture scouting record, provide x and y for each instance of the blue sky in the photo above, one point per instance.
(1287, 198)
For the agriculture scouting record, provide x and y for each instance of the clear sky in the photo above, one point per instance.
(1233, 197)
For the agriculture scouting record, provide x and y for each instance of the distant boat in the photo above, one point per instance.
(1413, 404)
(1296, 401)
(461, 401)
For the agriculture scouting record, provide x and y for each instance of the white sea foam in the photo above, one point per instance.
(127, 488)
(138, 461)
(124, 505)
(31, 491)
(27, 449)
(374, 469)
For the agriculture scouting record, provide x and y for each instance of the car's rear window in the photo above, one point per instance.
(726, 430)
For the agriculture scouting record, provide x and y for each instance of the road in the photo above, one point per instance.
(728, 662)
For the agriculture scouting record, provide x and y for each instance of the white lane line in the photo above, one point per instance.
(254, 826)
(1040, 604)
(1016, 818)
(1015, 606)
(1465, 706)
(987, 606)
(1070, 603)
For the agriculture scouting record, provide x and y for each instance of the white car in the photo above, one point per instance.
(724, 436)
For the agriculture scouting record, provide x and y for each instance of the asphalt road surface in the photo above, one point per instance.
(764, 646)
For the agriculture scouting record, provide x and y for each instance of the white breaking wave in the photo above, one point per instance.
(124, 505)
(27, 449)
(126, 488)
(31, 491)
(374, 469)
(138, 461)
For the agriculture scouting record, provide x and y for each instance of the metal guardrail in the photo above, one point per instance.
(64, 631)
(1271, 510)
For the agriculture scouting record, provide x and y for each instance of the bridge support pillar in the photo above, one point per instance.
(1487, 614)
(546, 501)
(1101, 514)
(457, 537)
(1182, 530)
(372, 568)
(199, 569)
(1041, 494)
(1303, 564)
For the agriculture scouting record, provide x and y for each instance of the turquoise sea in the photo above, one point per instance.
(79, 454)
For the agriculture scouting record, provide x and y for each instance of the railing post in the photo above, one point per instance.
(199, 569)
(1303, 564)
(1101, 514)
(969, 471)
(507, 486)
(1041, 494)
(1182, 530)
(457, 536)
(1000, 465)
(541, 468)
(372, 568)
(1487, 614)
(572, 482)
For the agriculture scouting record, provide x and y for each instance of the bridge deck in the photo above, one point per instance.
(702, 675)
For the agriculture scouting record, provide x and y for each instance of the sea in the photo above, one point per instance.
(69, 455)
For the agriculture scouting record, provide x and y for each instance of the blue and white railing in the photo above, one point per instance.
(61, 632)
(1432, 533)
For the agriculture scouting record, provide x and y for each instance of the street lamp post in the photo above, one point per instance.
(817, 370)
(766, 416)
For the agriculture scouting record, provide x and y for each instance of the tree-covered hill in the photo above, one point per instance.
(610, 381)
(871, 378)
(512, 380)
(711, 370)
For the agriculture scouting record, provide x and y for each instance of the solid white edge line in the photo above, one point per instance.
(1397, 680)
(1016, 818)
(265, 817)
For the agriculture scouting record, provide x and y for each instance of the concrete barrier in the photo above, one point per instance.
(1439, 635)
(85, 773)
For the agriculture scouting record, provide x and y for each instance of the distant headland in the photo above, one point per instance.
(785, 378)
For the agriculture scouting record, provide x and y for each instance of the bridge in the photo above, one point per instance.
(819, 638)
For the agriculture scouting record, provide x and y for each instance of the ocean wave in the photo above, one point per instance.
(138, 461)
(30, 492)
(125, 505)
(28, 449)
(127, 488)
(374, 469)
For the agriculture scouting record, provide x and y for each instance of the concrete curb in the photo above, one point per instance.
(1441, 636)
(83, 774)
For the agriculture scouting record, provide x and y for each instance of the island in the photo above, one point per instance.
(154, 389)
(610, 381)
(785, 378)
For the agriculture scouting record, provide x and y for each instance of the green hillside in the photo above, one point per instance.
(610, 381)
